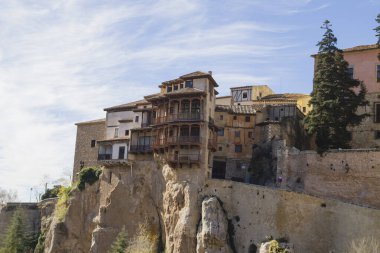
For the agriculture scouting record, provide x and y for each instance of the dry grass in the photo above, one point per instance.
(145, 241)
(365, 245)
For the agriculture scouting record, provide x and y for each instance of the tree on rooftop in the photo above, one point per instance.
(335, 98)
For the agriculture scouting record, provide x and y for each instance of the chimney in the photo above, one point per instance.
(210, 73)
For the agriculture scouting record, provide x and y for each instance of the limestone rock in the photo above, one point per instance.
(212, 233)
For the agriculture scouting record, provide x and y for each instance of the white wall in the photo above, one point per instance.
(115, 150)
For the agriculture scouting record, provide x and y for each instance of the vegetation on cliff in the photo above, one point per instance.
(365, 245)
(335, 98)
(121, 243)
(88, 175)
(51, 193)
(17, 240)
(62, 203)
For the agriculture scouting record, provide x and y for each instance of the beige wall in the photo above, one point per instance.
(83, 150)
(311, 224)
(352, 175)
(223, 100)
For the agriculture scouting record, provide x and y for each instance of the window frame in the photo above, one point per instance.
(377, 72)
(237, 134)
(116, 133)
(137, 118)
(189, 84)
(220, 132)
(376, 110)
(93, 143)
(126, 133)
(247, 119)
(238, 148)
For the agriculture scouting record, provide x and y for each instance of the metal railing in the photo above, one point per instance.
(140, 148)
(184, 159)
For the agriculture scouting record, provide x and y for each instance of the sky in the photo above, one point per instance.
(63, 61)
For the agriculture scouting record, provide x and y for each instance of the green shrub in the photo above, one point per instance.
(51, 193)
(62, 203)
(88, 175)
(120, 244)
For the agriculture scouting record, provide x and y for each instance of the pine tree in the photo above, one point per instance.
(120, 244)
(335, 98)
(15, 237)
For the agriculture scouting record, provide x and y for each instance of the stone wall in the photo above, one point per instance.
(86, 132)
(348, 175)
(31, 217)
(311, 224)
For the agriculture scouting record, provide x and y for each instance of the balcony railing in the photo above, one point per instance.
(140, 148)
(178, 117)
(184, 140)
(104, 157)
(145, 124)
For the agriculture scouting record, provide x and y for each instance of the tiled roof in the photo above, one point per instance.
(221, 97)
(362, 47)
(96, 121)
(247, 87)
(196, 74)
(126, 106)
(239, 109)
(184, 91)
(284, 96)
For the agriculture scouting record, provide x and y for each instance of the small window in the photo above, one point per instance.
(378, 73)
(171, 110)
(238, 148)
(116, 134)
(175, 87)
(237, 134)
(245, 94)
(137, 119)
(221, 132)
(126, 132)
(260, 94)
(235, 117)
(303, 109)
(377, 135)
(181, 86)
(189, 84)
(377, 113)
(220, 148)
(93, 142)
(247, 118)
(144, 106)
(169, 89)
(221, 117)
(350, 72)
(250, 134)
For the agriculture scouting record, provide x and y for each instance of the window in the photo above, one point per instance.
(235, 117)
(181, 86)
(303, 109)
(245, 95)
(350, 72)
(93, 142)
(377, 135)
(250, 134)
(221, 132)
(189, 84)
(126, 132)
(171, 110)
(377, 113)
(169, 89)
(220, 148)
(238, 148)
(137, 119)
(247, 118)
(378, 73)
(175, 87)
(237, 134)
(221, 117)
(116, 134)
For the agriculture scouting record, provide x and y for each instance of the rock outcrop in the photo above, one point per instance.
(212, 236)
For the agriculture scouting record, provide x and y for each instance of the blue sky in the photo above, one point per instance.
(63, 61)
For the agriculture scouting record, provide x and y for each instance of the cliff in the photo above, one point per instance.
(183, 212)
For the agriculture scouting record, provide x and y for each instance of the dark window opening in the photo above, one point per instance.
(189, 84)
(93, 142)
(245, 95)
(377, 135)
(169, 89)
(235, 117)
(175, 87)
(377, 113)
(221, 117)
(250, 134)
(220, 148)
(238, 148)
(137, 119)
(221, 132)
(126, 132)
(247, 119)
(237, 134)
(350, 72)
(181, 86)
(378, 73)
(303, 109)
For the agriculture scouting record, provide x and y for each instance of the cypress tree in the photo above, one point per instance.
(335, 98)
(15, 237)
(120, 244)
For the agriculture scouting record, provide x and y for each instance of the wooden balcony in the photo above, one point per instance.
(179, 117)
(140, 148)
(185, 159)
(177, 140)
